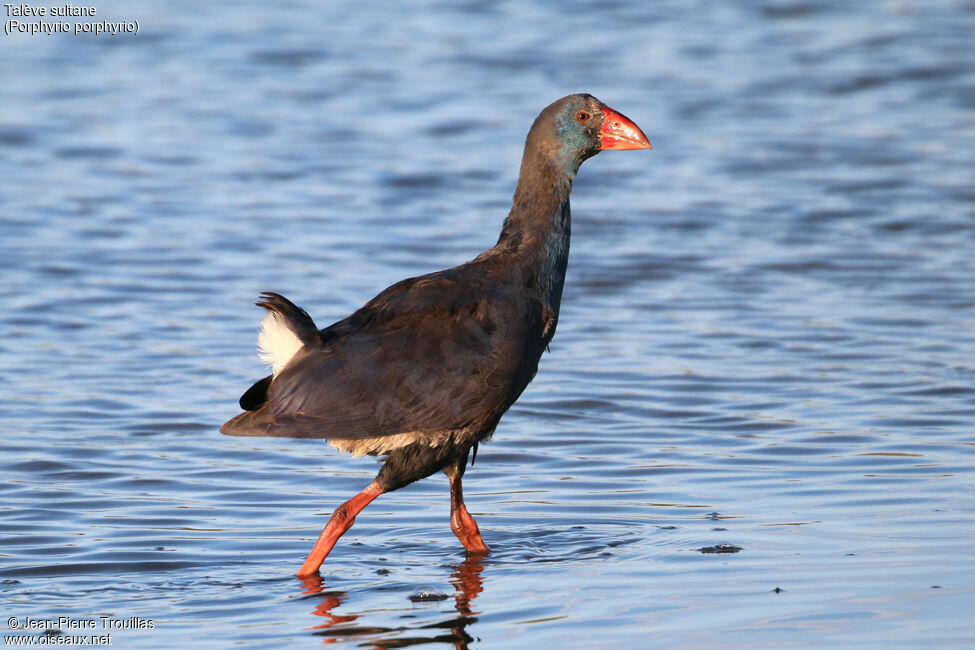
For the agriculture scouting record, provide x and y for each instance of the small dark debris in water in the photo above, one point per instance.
(237, 585)
(714, 516)
(851, 555)
(721, 548)
(382, 559)
(427, 596)
(668, 528)
(52, 631)
(719, 528)
(578, 528)
(10, 581)
(936, 586)
(382, 572)
(605, 554)
(159, 548)
(778, 590)
(357, 544)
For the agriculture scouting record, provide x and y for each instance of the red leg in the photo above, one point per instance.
(461, 521)
(341, 521)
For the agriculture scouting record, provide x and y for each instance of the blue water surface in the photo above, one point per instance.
(755, 426)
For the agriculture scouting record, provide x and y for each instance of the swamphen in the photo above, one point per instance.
(424, 371)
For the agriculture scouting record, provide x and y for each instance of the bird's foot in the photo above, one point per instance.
(475, 545)
(464, 526)
(341, 521)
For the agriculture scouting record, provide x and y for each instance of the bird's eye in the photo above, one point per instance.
(582, 116)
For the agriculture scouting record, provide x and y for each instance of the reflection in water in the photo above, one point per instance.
(329, 600)
(466, 579)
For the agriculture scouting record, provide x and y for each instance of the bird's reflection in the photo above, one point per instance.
(466, 579)
(328, 600)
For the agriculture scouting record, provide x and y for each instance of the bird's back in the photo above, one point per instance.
(445, 352)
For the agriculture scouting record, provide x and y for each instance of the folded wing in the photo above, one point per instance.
(429, 354)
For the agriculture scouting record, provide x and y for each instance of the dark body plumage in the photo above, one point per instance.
(425, 370)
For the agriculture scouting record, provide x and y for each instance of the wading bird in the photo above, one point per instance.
(424, 371)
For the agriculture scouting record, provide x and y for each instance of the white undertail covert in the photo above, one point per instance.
(276, 343)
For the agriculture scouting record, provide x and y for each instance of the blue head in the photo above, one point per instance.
(578, 127)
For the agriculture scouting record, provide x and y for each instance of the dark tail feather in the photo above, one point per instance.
(296, 318)
(256, 395)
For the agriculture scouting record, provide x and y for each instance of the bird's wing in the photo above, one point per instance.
(436, 353)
